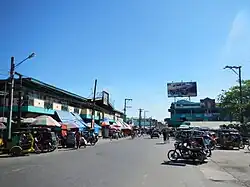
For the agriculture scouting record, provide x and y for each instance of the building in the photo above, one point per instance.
(183, 110)
(38, 98)
(144, 122)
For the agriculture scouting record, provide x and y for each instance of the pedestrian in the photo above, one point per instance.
(78, 139)
(164, 133)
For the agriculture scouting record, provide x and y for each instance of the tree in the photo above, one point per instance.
(230, 102)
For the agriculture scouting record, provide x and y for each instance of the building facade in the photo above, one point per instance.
(38, 98)
(183, 110)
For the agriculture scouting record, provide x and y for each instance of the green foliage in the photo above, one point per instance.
(230, 102)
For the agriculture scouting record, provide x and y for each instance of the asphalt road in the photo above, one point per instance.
(125, 163)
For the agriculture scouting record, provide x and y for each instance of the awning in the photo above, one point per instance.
(69, 126)
(78, 117)
(2, 126)
(67, 117)
(126, 126)
(45, 121)
(113, 127)
(105, 122)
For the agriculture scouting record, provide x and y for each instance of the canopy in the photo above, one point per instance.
(46, 121)
(113, 127)
(2, 126)
(105, 122)
(78, 117)
(96, 127)
(69, 126)
(28, 120)
(184, 127)
(4, 120)
(124, 125)
(67, 117)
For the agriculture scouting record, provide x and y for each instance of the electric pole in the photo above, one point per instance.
(145, 111)
(140, 111)
(150, 125)
(19, 99)
(125, 108)
(10, 98)
(11, 89)
(93, 107)
(234, 68)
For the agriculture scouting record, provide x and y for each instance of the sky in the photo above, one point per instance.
(132, 47)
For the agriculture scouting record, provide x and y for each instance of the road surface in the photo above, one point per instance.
(125, 163)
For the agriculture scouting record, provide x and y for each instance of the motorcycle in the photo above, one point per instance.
(92, 139)
(182, 151)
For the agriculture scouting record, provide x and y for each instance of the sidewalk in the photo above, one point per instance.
(228, 166)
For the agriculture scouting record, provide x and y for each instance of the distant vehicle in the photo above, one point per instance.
(70, 140)
(155, 134)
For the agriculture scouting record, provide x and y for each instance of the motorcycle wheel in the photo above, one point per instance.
(201, 157)
(241, 146)
(248, 147)
(173, 155)
(209, 153)
(212, 146)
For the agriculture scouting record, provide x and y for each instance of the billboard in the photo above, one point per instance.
(182, 89)
(105, 98)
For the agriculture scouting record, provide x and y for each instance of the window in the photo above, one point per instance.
(64, 108)
(76, 110)
(48, 105)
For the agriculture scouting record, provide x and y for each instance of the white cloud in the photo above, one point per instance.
(237, 46)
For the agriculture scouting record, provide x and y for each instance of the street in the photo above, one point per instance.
(123, 163)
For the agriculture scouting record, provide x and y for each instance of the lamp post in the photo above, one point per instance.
(125, 108)
(234, 69)
(93, 107)
(11, 90)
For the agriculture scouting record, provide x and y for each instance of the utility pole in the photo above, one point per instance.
(10, 98)
(93, 107)
(241, 102)
(20, 98)
(125, 108)
(11, 89)
(140, 111)
(145, 111)
(150, 125)
(234, 68)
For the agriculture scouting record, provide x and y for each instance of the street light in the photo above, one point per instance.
(234, 68)
(11, 90)
(125, 108)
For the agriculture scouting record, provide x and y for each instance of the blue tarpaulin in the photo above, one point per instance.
(97, 128)
(67, 117)
(77, 116)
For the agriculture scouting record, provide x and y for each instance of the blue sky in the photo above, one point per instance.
(133, 47)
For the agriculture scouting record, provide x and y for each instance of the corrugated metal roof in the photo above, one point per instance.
(55, 88)
(210, 124)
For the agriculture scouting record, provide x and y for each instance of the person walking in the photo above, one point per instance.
(164, 133)
(78, 139)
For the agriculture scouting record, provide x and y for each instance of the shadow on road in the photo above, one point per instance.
(67, 149)
(9, 156)
(181, 163)
(160, 143)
